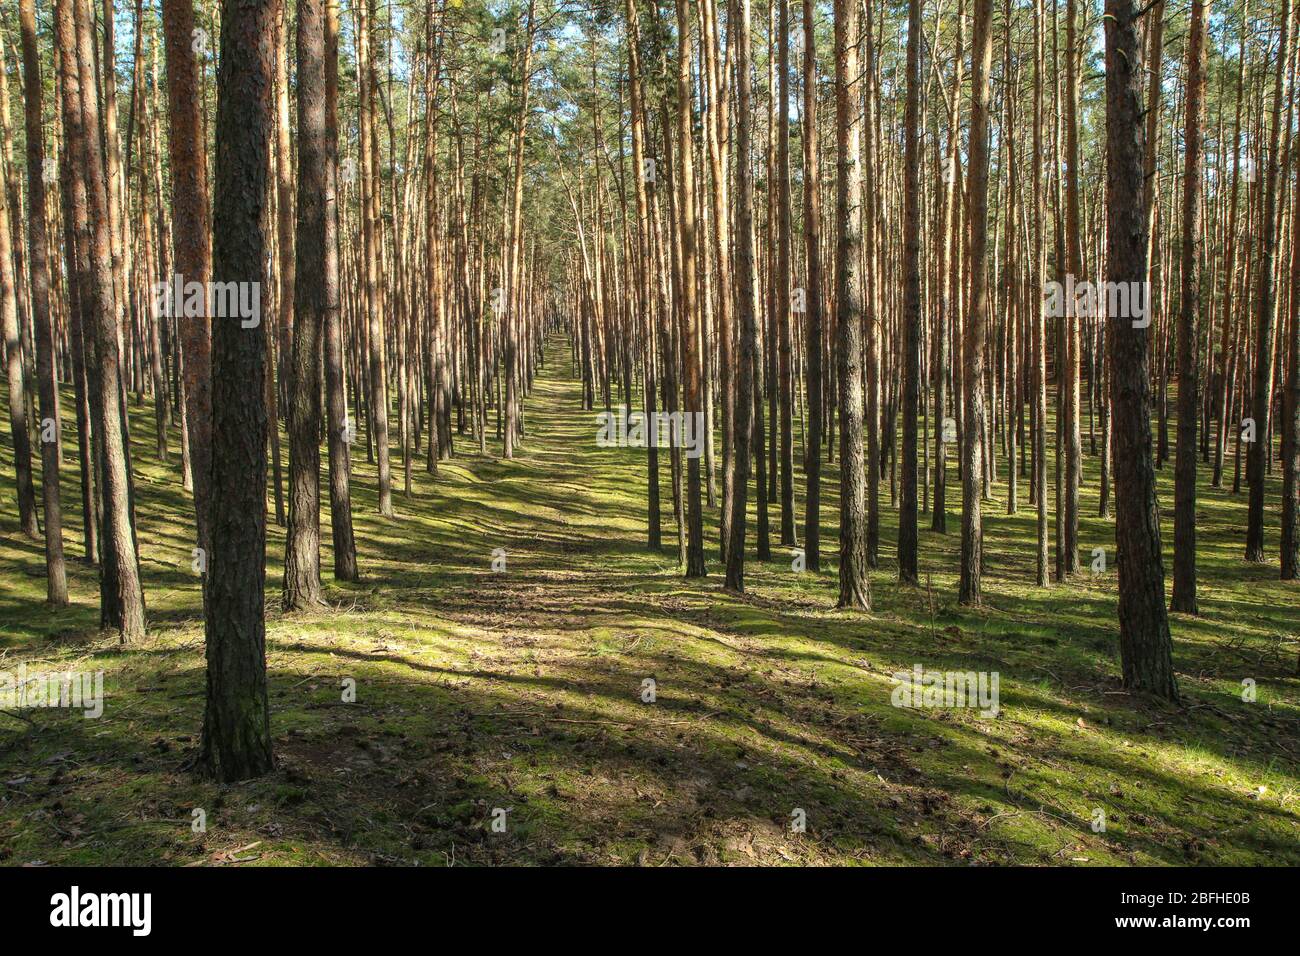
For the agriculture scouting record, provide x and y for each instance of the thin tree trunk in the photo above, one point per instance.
(56, 583)
(372, 240)
(855, 586)
(1184, 596)
(784, 343)
(689, 316)
(972, 531)
(339, 429)
(15, 370)
(1264, 305)
(121, 596)
(745, 406)
(813, 294)
(191, 252)
(911, 316)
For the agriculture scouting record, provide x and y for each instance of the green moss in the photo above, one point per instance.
(522, 691)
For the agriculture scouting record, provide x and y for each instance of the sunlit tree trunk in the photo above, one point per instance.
(855, 586)
(972, 530)
(121, 595)
(694, 400)
(339, 429)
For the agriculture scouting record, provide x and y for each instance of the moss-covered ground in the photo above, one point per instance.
(522, 691)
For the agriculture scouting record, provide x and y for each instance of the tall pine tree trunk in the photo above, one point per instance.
(1145, 645)
(813, 295)
(972, 469)
(302, 588)
(339, 429)
(56, 583)
(855, 586)
(911, 317)
(120, 593)
(1256, 461)
(694, 403)
(236, 742)
(191, 252)
(746, 319)
(1184, 596)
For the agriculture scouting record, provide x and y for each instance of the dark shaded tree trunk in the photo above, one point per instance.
(340, 435)
(72, 193)
(302, 588)
(813, 295)
(1184, 596)
(871, 300)
(191, 252)
(56, 581)
(372, 240)
(948, 286)
(784, 343)
(1069, 377)
(1145, 645)
(1230, 321)
(746, 320)
(1290, 548)
(1257, 459)
(16, 373)
(236, 741)
(1040, 321)
(911, 317)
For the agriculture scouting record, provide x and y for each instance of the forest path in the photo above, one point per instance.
(436, 696)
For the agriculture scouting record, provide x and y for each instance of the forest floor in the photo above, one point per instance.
(521, 691)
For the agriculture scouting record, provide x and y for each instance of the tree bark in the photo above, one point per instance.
(855, 586)
(191, 251)
(694, 403)
(1263, 397)
(911, 316)
(15, 370)
(340, 432)
(813, 295)
(120, 594)
(1184, 596)
(302, 587)
(56, 583)
(1145, 645)
(972, 530)
(372, 240)
(236, 743)
(745, 299)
